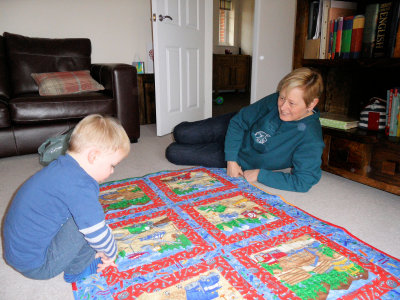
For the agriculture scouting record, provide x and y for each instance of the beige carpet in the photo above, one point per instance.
(370, 214)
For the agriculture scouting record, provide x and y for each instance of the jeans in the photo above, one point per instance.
(68, 252)
(200, 143)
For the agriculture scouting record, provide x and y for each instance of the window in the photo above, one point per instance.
(226, 23)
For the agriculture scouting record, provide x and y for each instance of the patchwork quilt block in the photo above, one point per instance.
(128, 198)
(303, 264)
(236, 216)
(206, 280)
(199, 234)
(184, 185)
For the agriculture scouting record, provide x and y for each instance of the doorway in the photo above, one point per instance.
(232, 55)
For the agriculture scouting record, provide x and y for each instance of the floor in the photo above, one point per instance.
(370, 214)
(232, 101)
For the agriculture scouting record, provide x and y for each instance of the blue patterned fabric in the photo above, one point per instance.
(199, 234)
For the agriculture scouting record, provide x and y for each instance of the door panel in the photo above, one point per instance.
(181, 64)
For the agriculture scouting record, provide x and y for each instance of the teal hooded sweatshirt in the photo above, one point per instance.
(258, 139)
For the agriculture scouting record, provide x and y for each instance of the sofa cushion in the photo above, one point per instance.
(4, 75)
(41, 55)
(39, 109)
(4, 115)
(64, 83)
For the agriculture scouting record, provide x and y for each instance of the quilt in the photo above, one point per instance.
(199, 234)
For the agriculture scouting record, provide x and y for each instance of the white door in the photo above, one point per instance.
(182, 61)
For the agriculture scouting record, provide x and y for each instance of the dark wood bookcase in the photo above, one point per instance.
(365, 156)
(231, 72)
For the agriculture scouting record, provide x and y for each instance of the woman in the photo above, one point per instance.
(279, 131)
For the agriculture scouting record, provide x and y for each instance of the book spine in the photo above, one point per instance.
(371, 16)
(398, 122)
(346, 36)
(396, 51)
(394, 24)
(382, 29)
(356, 36)
(334, 39)
(332, 121)
(395, 112)
(339, 37)
(331, 28)
(389, 112)
(387, 108)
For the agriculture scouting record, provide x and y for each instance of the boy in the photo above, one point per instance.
(55, 223)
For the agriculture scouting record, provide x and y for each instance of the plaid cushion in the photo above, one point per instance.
(62, 83)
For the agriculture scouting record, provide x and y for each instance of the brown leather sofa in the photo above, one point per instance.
(28, 119)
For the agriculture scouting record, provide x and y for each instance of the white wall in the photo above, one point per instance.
(246, 35)
(274, 24)
(118, 29)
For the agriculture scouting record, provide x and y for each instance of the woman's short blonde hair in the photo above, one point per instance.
(102, 132)
(308, 79)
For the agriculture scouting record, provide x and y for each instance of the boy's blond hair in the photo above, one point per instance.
(308, 79)
(102, 132)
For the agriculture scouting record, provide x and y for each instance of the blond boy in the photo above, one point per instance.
(55, 223)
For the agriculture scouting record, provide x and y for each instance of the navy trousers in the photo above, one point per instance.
(68, 252)
(200, 143)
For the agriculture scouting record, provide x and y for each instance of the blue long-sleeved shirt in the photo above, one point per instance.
(258, 139)
(44, 203)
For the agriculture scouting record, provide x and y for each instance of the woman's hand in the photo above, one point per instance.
(251, 175)
(233, 169)
(106, 262)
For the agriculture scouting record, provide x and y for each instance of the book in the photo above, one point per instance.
(371, 17)
(356, 36)
(396, 50)
(382, 29)
(331, 29)
(389, 110)
(323, 48)
(333, 14)
(339, 32)
(333, 50)
(346, 36)
(394, 25)
(337, 121)
(398, 123)
(394, 113)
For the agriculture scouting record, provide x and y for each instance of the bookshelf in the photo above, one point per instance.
(367, 157)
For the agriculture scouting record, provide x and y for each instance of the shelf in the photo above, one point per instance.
(391, 188)
(352, 63)
(362, 135)
(368, 157)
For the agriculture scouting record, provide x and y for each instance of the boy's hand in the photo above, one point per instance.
(251, 175)
(106, 262)
(233, 169)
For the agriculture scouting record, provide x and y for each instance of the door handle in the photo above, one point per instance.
(161, 17)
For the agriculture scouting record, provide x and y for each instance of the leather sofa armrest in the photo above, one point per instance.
(120, 82)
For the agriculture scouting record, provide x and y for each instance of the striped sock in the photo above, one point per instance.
(90, 269)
